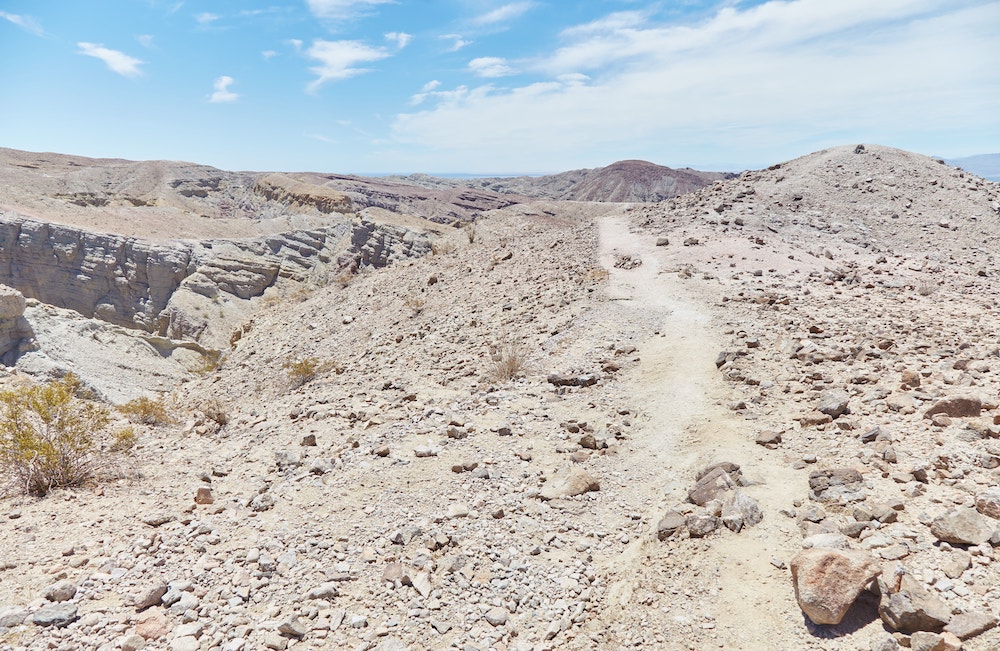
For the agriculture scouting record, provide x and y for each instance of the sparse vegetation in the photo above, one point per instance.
(442, 246)
(209, 363)
(147, 411)
(49, 437)
(415, 303)
(594, 275)
(470, 232)
(508, 360)
(926, 287)
(304, 370)
(215, 410)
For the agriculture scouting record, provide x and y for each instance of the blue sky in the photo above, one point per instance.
(496, 86)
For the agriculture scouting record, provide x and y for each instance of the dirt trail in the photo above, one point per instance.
(687, 425)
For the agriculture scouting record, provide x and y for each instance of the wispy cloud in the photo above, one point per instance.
(117, 61)
(401, 39)
(27, 23)
(222, 92)
(342, 9)
(268, 54)
(145, 40)
(207, 18)
(457, 42)
(746, 82)
(320, 137)
(505, 13)
(490, 67)
(339, 60)
(425, 92)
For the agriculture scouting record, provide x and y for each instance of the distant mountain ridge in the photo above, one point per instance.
(984, 165)
(633, 181)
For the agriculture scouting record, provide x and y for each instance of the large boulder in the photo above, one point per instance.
(827, 581)
(963, 526)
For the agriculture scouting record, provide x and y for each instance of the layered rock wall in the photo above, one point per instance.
(132, 283)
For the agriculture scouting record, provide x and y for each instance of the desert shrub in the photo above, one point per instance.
(147, 411)
(508, 360)
(50, 438)
(304, 370)
(215, 410)
(415, 303)
(926, 287)
(209, 362)
(442, 246)
(470, 232)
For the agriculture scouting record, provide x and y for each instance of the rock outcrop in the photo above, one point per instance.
(14, 328)
(129, 282)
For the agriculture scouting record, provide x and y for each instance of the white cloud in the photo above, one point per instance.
(764, 83)
(145, 40)
(27, 23)
(505, 13)
(425, 91)
(342, 9)
(117, 61)
(207, 18)
(490, 67)
(222, 92)
(268, 54)
(457, 42)
(401, 39)
(339, 59)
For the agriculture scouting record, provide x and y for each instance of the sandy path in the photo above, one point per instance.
(687, 426)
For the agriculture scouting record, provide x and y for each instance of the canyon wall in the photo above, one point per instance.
(129, 282)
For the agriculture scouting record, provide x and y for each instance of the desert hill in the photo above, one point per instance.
(574, 425)
(984, 165)
(633, 181)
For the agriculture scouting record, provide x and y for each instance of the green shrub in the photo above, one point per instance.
(49, 437)
(147, 411)
(305, 370)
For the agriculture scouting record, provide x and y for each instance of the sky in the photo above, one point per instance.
(496, 86)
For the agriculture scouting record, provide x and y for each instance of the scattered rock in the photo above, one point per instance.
(670, 524)
(59, 614)
(970, 624)
(496, 616)
(60, 591)
(711, 485)
(912, 608)
(957, 407)
(150, 595)
(827, 581)
(836, 484)
(740, 510)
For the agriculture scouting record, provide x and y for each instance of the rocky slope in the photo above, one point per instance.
(631, 181)
(799, 358)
